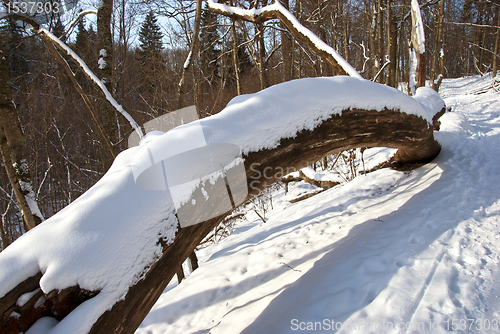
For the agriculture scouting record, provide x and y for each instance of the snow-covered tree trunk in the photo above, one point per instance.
(13, 150)
(417, 52)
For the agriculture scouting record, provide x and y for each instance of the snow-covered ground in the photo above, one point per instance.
(389, 252)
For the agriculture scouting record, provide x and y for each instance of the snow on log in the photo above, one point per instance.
(102, 262)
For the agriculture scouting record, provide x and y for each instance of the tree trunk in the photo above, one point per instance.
(286, 48)
(497, 40)
(438, 61)
(262, 57)
(386, 128)
(235, 58)
(193, 51)
(418, 44)
(105, 113)
(13, 150)
(392, 46)
(380, 38)
(180, 274)
(194, 261)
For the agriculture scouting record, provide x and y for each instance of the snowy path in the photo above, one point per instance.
(389, 252)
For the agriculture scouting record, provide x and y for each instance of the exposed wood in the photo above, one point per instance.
(56, 304)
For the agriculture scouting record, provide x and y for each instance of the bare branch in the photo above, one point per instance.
(277, 11)
(473, 25)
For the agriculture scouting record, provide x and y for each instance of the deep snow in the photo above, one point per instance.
(389, 252)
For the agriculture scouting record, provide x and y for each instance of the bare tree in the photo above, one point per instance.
(188, 64)
(12, 146)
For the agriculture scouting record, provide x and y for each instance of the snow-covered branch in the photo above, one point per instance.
(75, 21)
(277, 11)
(62, 46)
(39, 29)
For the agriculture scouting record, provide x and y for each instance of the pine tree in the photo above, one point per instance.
(210, 46)
(82, 36)
(150, 38)
(14, 49)
(58, 28)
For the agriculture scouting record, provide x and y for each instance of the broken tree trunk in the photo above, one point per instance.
(353, 128)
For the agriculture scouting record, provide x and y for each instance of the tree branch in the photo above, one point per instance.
(277, 11)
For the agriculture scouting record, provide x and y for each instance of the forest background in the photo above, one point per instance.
(151, 41)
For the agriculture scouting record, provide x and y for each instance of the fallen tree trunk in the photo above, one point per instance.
(412, 135)
(354, 128)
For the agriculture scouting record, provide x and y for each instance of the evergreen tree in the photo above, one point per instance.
(210, 46)
(58, 28)
(150, 38)
(82, 36)
(14, 49)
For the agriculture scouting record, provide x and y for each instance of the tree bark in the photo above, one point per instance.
(105, 113)
(235, 58)
(438, 59)
(286, 48)
(497, 40)
(392, 46)
(416, 35)
(194, 260)
(380, 38)
(193, 51)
